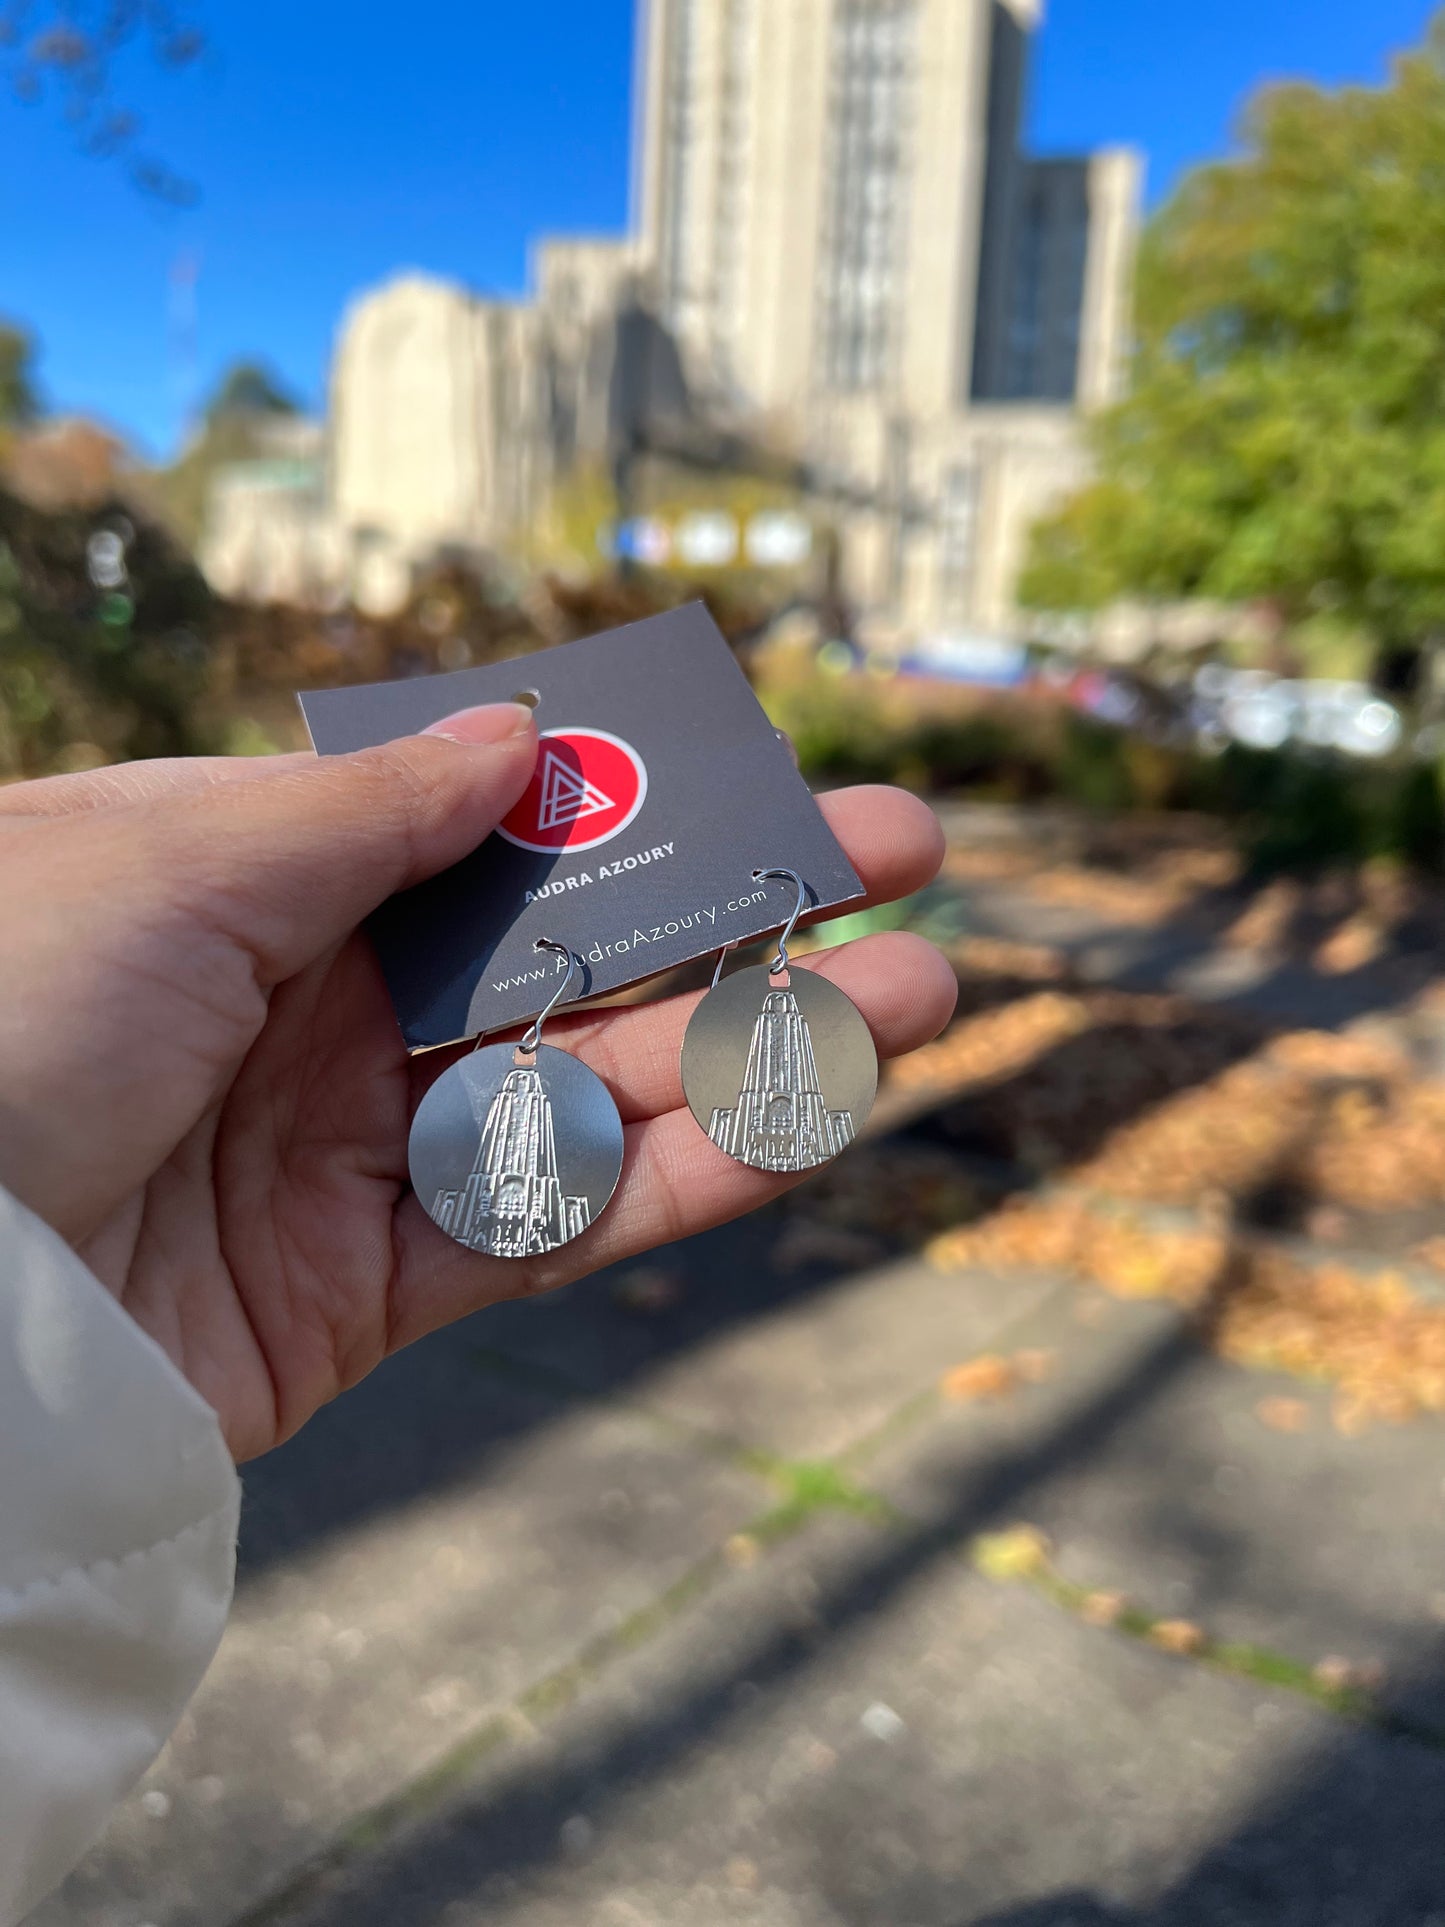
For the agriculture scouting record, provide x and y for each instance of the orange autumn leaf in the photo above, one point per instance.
(1179, 1636)
(1102, 1608)
(987, 1376)
(1283, 1414)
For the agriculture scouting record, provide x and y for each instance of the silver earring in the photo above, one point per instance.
(779, 1067)
(517, 1148)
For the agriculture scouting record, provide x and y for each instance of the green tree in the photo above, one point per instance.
(105, 640)
(249, 388)
(232, 429)
(1284, 433)
(65, 52)
(19, 403)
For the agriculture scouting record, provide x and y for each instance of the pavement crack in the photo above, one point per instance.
(1021, 1555)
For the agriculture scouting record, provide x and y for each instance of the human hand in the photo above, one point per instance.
(204, 1089)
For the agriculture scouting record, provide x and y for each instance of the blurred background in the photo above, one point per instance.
(1039, 1517)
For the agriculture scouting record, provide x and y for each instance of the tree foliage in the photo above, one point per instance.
(232, 428)
(1284, 434)
(105, 640)
(19, 402)
(64, 52)
(249, 388)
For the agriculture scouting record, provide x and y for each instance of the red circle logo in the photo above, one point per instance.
(586, 788)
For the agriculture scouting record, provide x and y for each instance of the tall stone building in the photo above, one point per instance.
(452, 414)
(839, 249)
(850, 243)
(513, 1205)
(781, 1121)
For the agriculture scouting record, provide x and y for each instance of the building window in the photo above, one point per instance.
(729, 293)
(681, 108)
(1026, 322)
(1050, 255)
(958, 536)
(874, 66)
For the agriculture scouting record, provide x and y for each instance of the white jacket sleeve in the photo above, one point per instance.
(118, 1508)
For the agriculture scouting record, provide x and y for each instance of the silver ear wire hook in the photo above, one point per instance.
(533, 1037)
(801, 1060)
(516, 1149)
(780, 962)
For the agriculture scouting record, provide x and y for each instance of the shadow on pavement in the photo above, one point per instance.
(514, 1829)
(426, 1420)
(1356, 1836)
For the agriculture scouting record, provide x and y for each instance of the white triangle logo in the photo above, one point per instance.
(566, 795)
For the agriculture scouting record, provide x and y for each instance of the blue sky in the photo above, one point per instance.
(336, 143)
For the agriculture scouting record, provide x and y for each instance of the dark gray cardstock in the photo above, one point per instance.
(663, 751)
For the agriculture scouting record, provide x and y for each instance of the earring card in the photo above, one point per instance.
(660, 787)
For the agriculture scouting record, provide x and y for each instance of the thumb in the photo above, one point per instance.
(287, 866)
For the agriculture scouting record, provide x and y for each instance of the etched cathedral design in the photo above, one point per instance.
(512, 1205)
(780, 1122)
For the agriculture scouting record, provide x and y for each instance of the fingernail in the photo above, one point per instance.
(489, 723)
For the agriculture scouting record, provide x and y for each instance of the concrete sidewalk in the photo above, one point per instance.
(667, 1601)
(581, 1614)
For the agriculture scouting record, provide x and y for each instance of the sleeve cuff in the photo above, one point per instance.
(118, 1511)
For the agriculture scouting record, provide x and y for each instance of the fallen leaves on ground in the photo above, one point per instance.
(1137, 900)
(1102, 1608)
(1127, 1258)
(1378, 1152)
(1034, 1365)
(1283, 1414)
(1018, 1552)
(1178, 1636)
(1046, 1078)
(1266, 920)
(1022, 1555)
(1226, 1135)
(987, 1376)
(1149, 1100)
(1358, 941)
(999, 957)
(995, 1043)
(1149, 1097)
(1381, 1346)
(1330, 1055)
(883, 1189)
(1342, 920)
(988, 866)
(991, 1375)
(1337, 1117)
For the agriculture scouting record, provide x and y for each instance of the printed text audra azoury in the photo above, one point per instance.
(659, 853)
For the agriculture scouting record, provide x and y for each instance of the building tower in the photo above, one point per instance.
(851, 245)
(780, 1122)
(512, 1205)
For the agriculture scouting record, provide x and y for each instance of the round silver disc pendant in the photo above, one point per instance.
(779, 1071)
(515, 1159)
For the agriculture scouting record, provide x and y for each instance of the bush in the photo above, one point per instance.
(91, 673)
(1292, 809)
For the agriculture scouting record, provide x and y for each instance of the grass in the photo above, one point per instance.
(1020, 1555)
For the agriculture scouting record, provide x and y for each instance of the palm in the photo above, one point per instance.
(261, 1254)
(257, 1219)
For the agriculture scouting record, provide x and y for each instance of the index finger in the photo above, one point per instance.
(142, 782)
